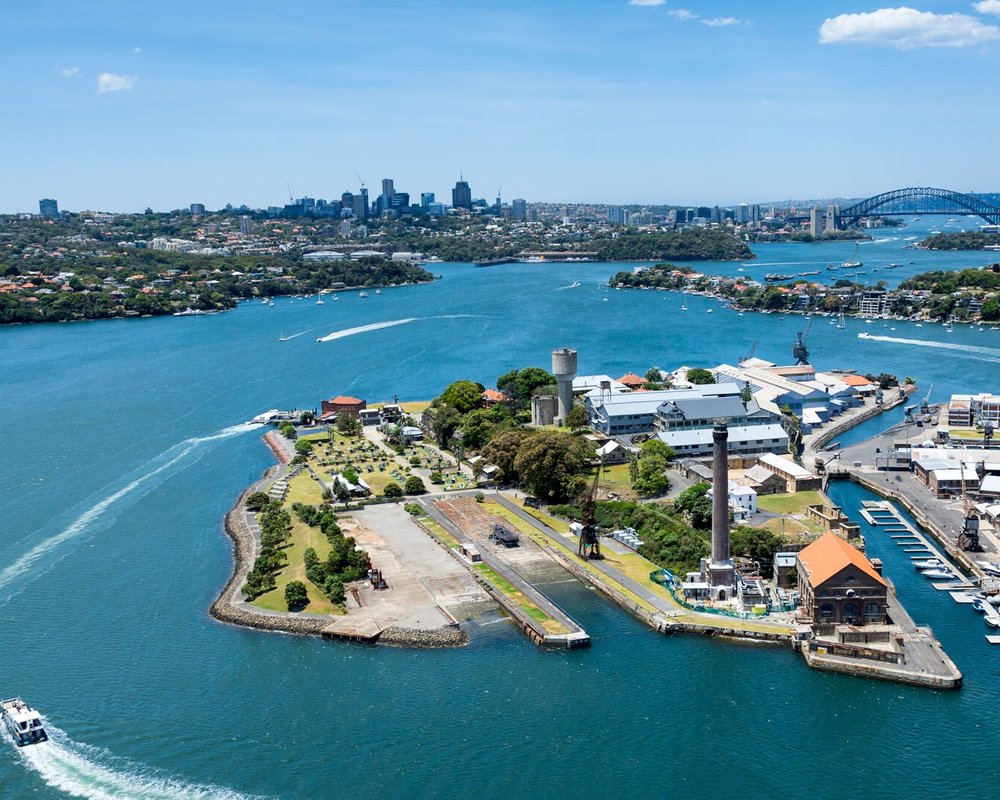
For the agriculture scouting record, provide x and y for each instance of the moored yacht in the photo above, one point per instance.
(22, 721)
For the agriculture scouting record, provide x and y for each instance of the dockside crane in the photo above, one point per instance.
(800, 352)
(753, 350)
(589, 546)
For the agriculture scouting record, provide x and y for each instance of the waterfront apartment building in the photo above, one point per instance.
(48, 208)
(872, 303)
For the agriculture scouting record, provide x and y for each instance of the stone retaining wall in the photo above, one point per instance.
(445, 636)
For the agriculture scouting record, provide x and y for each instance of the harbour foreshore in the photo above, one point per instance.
(232, 608)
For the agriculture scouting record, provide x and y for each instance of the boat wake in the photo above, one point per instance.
(87, 518)
(778, 263)
(293, 336)
(375, 326)
(992, 353)
(83, 771)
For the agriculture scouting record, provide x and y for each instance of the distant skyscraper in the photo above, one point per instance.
(48, 208)
(519, 210)
(197, 208)
(245, 225)
(361, 206)
(400, 202)
(426, 198)
(388, 187)
(347, 200)
(461, 195)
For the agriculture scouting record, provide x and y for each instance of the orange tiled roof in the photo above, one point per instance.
(855, 380)
(494, 395)
(829, 554)
(344, 400)
(631, 379)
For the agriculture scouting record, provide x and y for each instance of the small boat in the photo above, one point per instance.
(930, 563)
(853, 263)
(979, 605)
(993, 622)
(574, 284)
(864, 335)
(683, 307)
(335, 298)
(841, 322)
(378, 291)
(709, 310)
(362, 294)
(319, 301)
(23, 723)
(939, 574)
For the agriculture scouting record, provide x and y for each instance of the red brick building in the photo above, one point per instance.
(330, 409)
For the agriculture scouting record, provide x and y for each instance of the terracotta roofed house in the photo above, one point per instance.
(838, 584)
(633, 381)
(490, 397)
(341, 405)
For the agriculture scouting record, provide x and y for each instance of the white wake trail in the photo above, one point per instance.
(80, 524)
(89, 772)
(966, 348)
(375, 326)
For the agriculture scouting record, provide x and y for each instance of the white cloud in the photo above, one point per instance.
(70, 72)
(136, 50)
(646, 2)
(718, 22)
(906, 28)
(987, 7)
(113, 82)
(682, 14)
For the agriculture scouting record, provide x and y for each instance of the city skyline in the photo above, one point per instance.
(640, 102)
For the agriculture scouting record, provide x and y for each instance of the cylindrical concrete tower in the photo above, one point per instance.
(720, 493)
(564, 368)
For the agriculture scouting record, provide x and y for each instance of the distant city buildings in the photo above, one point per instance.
(461, 195)
(197, 208)
(519, 210)
(48, 208)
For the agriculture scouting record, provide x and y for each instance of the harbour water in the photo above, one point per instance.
(124, 448)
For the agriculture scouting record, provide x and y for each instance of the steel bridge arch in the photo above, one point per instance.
(961, 202)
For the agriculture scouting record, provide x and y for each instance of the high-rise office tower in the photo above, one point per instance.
(426, 198)
(388, 187)
(519, 210)
(361, 204)
(245, 225)
(461, 195)
(48, 208)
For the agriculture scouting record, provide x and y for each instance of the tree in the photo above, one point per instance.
(697, 375)
(307, 417)
(444, 423)
(480, 424)
(392, 489)
(577, 417)
(333, 587)
(303, 447)
(463, 396)
(758, 544)
(519, 385)
(256, 501)
(288, 430)
(651, 479)
(654, 375)
(309, 557)
(551, 464)
(348, 424)
(501, 451)
(414, 485)
(296, 596)
(654, 447)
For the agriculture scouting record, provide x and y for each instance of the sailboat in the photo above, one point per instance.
(853, 263)
(319, 301)
(951, 326)
(841, 322)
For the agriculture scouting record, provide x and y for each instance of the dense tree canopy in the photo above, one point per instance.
(551, 464)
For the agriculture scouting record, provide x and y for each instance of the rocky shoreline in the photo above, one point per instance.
(229, 607)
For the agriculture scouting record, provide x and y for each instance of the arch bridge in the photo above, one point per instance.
(919, 200)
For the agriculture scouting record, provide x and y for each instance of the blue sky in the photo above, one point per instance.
(119, 105)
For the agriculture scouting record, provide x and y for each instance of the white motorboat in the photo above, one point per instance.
(930, 563)
(939, 574)
(22, 721)
(979, 605)
(362, 294)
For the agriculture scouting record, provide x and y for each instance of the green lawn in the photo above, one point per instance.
(438, 531)
(790, 503)
(617, 479)
(303, 536)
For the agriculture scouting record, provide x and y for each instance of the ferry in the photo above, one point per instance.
(23, 723)
(777, 277)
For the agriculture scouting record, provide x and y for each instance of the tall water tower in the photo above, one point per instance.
(564, 368)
